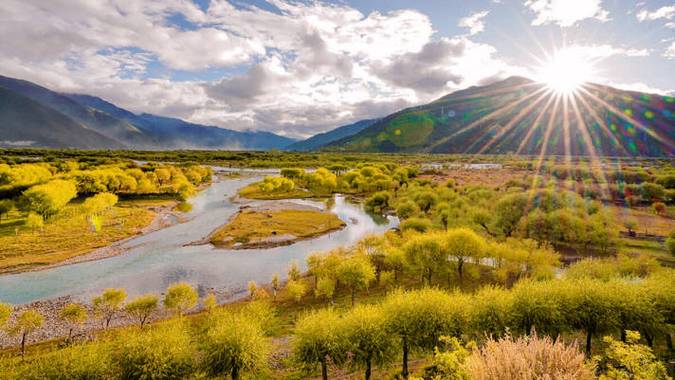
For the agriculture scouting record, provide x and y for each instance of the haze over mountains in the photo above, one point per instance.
(515, 115)
(34, 116)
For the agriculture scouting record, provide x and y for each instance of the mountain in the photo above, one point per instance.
(94, 119)
(172, 133)
(25, 122)
(521, 116)
(114, 127)
(319, 140)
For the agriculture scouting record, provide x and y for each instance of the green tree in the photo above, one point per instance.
(325, 287)
(26, 323)
(163, 352)
(320, 338)
(5, 313)
(180, 297)
(34, 221)
(407, 209)
(296, 289)
(369, 339)
(538, 306)
(419, 318)
(463, 244)
(489, 312)
(276, 285)
(426, 200)
(6, 205)
(629, 360)
(209, 302)
(75, 315)
(142, 308)
(508, 211)
(109, 303)
(425, 253)
(294, 273)
(235, 344)
(356, 273)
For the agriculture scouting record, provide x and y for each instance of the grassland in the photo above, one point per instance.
(254, 228)
(68, 234)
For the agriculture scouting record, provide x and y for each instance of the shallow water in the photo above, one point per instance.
(160, 258)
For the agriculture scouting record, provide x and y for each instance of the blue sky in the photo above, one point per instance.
(298, 68)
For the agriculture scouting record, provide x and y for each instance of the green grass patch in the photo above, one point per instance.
(262, 227)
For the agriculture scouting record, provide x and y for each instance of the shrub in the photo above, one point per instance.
(78, 362)
(527, 358)
(629, 360)
(416, 224)
(180, 297)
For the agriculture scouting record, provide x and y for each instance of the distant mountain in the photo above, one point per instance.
(517, 115)
(319, 140)
(25, 122)
(172, 133)
(118, 128)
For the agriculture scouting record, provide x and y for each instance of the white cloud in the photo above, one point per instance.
(641, 87)
(666, 12)
(474, 22)
(594, 52)
(670, 51)
(566, 12)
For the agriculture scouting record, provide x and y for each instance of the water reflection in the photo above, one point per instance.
(156, 260)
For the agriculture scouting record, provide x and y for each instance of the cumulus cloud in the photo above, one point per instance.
(566, 12)
(296, 68)
(602, 51)
(666, 12)
(474, 22)
(670, 51)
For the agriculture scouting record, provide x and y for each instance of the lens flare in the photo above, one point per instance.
(565, 71)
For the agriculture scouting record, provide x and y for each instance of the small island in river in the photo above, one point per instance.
(274, 225)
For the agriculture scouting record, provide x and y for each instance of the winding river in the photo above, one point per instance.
(156, 260)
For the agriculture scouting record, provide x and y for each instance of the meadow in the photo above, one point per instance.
(528, 269)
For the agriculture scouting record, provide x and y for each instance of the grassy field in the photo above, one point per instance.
(68, 234)
(256, 227)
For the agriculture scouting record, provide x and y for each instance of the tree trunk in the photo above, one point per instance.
(324, 369)
(460, 269)
(589, 336)
(23, 344)
(353, 295)
(369, 364)
(429, 274)
(70, 334)
(649, 339)
(623, 335)
(235, 372)
(405, 358)
(669, 342)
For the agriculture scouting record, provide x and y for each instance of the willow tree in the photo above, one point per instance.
(142, 308)
(74, 314)
(462, 245)
(369, 339)
(26, 323)
(180, 297)
(109, 303)
(419, 318)
(356, 273)
(425, 253)
(319, 339)
(235, 344)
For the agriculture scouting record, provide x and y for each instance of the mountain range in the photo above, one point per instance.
(520, 116)
(515, 115)
(32, 115)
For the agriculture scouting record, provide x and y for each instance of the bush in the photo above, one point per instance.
(527, 358)
(416, 224)
(629, 360)
(79, 362)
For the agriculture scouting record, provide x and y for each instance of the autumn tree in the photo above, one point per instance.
(209, 303)
(425, 253)
(461, 245)
(235, 344)
(142, 307)
(74, 314)
(49, 198)
(276, 285)
(180, 297)
(356, 273)
(26, 323)
(419, 318)
(34, 221)
(369, 339)
(109, 303)
(296, 289)
(320, 339)
(6, 205)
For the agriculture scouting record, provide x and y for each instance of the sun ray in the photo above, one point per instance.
(629, 119)
(504, 130)
(535, 124)
(496, 113)
(601, 123)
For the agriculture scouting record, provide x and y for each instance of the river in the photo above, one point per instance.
(154, 261)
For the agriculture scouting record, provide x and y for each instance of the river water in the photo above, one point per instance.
(160, 258)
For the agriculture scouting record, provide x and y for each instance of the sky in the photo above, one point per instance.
(297, 68)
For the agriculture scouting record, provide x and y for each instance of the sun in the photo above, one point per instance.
(565, 71)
